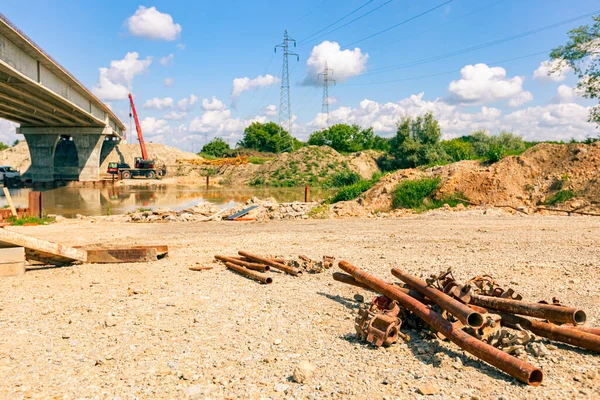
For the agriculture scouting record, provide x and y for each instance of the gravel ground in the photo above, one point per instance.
(162, 331)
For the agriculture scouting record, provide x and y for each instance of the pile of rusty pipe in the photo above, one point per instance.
(462, 312)
(558, 333)
(248, 265)
(349, 280)
(513, 366)
(257, 276)
(266, 261)
(550, 312)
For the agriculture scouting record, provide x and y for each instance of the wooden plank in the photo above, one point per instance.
(41, 250)
(12, 269)
(13, 210)
(12, 254)
(109, 256)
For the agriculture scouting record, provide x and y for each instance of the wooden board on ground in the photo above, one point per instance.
(41, 250)
(131, 254)
(12, 261)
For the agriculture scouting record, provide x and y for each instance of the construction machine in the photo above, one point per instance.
(144, 166)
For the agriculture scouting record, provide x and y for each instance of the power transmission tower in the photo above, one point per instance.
(285, 105)
(326, 80)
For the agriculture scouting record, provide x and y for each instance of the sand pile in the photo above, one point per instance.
(526, 180)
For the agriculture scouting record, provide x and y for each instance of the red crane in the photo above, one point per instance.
(138, 128)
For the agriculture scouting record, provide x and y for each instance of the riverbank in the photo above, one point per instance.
(81, 332)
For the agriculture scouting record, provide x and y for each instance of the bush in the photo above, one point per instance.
(494, 147)
(417, 142)
(354, 190)
(267, 138)
(342, 178)
(216, 147)
(561, 197)
(458, 149)
(412, 193)
(348, 138)
(495, 153)
(3, 146)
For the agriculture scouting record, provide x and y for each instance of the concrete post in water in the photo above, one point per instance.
(35, 204)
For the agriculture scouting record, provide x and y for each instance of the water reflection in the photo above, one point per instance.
(70, 201)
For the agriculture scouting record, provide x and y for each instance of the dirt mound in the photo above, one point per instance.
(309, 165)
(18, 156)
(526, 180)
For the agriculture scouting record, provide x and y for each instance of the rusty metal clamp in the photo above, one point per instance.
(379, 324)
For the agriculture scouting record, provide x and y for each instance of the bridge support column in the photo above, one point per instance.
(41, 151)
(89, 148)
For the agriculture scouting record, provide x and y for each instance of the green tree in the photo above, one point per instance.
(581, 54)
(216, 147)
(417, 142)
(3, 146)
(348, 138)
(266, 138)
(495, 147)
(458, 149)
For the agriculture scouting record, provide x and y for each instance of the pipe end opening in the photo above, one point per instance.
(580, 317)
(269, 280)
(536, 377)
(267, 268)
(475, 320)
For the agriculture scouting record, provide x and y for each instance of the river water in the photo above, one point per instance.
(70, 201)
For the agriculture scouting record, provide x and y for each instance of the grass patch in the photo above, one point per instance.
(320, 212)
(342, 178)
(30, 221)
(560, 197)
(419, 194)
(351, 192)
(259, 160)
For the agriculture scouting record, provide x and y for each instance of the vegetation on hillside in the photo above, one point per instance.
(268, 138)
(216, 147)
(348, 138)
(355, 189)
(419, 195)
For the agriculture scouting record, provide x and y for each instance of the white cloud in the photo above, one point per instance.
(332, 100)
(175, 115)
(153, 126)
(169, 81)
(481, 84)
(7, 132)
(187, 103)
(152, 24)
(554, 70)
(565, 94)
(159, 104)
(168, 60)
(344, 63)
(180, 46)
(270, 110)
(115, 82)
(213, 104)
(241, 85)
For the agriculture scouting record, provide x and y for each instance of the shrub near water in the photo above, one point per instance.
(351, 192)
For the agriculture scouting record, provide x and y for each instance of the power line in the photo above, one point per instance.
(352, 21)
(445, 72)
(266, 72)
(400, 23)
(481, 46)
(339, 20)
(326, 80)
(311, 11)
(285, 104)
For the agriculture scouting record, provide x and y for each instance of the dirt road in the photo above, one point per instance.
(80, 332)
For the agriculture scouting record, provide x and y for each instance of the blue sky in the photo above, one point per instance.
(203, 46)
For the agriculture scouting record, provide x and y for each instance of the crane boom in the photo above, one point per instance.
(138, 128)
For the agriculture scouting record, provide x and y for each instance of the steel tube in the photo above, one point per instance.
(462, 312)
(349, 280)
(257, 276)
(266, 261)
(569, 335)
(513, 366)
(586, 329)
(249, 265)
(545, 311)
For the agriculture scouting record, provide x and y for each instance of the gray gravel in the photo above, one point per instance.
(161, 331)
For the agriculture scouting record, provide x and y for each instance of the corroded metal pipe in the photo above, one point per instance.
(586, 329)
(349, 280)
(513, 366)
(257, 276)
(462, 312)
(266, 261)
(249, 265)
(545, 311)
(569, 335)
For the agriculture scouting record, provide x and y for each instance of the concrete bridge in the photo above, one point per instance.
(64, 124)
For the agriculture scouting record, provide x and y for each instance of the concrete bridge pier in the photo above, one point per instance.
(64, 153)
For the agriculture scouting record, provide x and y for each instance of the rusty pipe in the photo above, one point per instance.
(257, 276)
(586, 329)
(266, 261)
(462, 312)
(248, 265)
(570, 336)
(349, 280)
(513, 366)
(545, 311)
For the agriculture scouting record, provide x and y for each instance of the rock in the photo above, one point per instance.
(538, 349)
(303, 372)
(277, 342)
(186, 375)
(110, 321)
(427, 389)
(281, 387)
